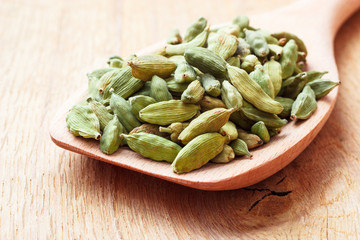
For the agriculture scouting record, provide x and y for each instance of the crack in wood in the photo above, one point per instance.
(271, 193)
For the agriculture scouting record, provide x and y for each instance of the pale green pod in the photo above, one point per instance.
(263, 79)
(198, 152)
(249, 63)
(116, 62)
(322, 87)
(288, 59)
(82, 121)
(270, 120)
(222, 44)
(195, 29)
(177, 59)
(94, 82)
(122, 109)
(108, 77)
(240, 147)
(207, 103)
(152, 146)
(313, 75)
(267, 35)
(252, 92)
(110, 140)
(174, 130)
(242, 22)
(232, 29)
(241, 120)
(274, 131)
(174, 37)
(159, 90)
(145, 90)
(273, 69)
(234, 61)
(229, 130)
(294, 85)
(184, 73)
(149, 128)
(206, 61)
(260, 129)
(285, 35)
(231, 96)
(176, 87)
(193, 93)
(243, 48)
(251, 140)
(209, 121)
(304, 105)
(179, 49)
(165, 113)
(124, 84)
(139, 102)
(100, 111)
(275, 51)
(98, 73)
(210, 84)
(226, 155)
(145, 67)
(257, 43)
(287, 104)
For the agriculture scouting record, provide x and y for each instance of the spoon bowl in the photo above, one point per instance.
(317, 29)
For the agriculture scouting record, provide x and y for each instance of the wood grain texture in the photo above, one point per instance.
(49, 193)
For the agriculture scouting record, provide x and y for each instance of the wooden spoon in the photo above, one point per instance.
(316, 22)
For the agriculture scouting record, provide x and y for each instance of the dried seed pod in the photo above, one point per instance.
(232, 29)
(304, 105)
(174, 130)
(313, 75)
(322, 87)
(100, 111)
(159, 90)
(273, 69)
(195, 29)
(285, 35)
(206, 61)
(145, 90)
(274, 131)
(139, 102)
(287, 105)
(251, 140)
(231, 96)
(222, 44)
(242, 22)
(210, 84)
(260, 129)
(152, 146)
(198, 152)
(110, 140)
(179, 49)
(241, 120)
(165, 113)
(263, 79)
(229, 130)
(94, 82)
(267, 35)
(275, 51)
(123, 110)
(193, 93)
(174, 37)
(240, 147)
(257, 43)
(177, 59)
(234, 61)
(116, 62)
(292, 86)
(184, 73)
(145, 67)
(207, 103)
(82, 121)
(176, 87)
(249, 63)
(288, 59)
(243, 48)
(226, 155)
(252, 92)
(148, 128)
(209, 121)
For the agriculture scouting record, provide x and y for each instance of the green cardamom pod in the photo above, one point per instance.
(167, 112)
(145, 90)
(174, 37)
(234, 61)
(241, 120)
(313, 75)
(139, 102)
(287, 105)
(100, 111)
(243, 48)
(122, 109)
(257, 43)
(232, 29)
(184, 73)
(110, 140)
(322, 87)
(274, 131)
(285, 35)
(207, 103)
(249, 63)
(292, 86)
(304, 105)
(198, 152)
(209, 121)
(145, 67)
(177, 59)
(231, 96)
(251, 140)
(174, 130)
(273, 69)
(267, 35)
(260, 129)
(288, 59)
(240, 147)
(116, 62)
(222, 44)
(152, 146)
(242, 22)
(82, 121)
(252, 92)
(94, 82)
(159, 90)
(149, 128)
(263, 79)
(195, 29)
(226, 155)
(108, 77)
(176, 87)
(229, 130)
(210, 84)
(193, 93)
(275, 51)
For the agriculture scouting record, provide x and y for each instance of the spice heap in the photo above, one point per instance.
(209, 96)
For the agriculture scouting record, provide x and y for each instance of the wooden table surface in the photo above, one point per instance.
(46, 47)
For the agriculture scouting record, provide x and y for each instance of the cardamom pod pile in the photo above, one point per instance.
(210, 95)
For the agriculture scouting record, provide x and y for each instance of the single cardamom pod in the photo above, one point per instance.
(322, 87)
(243, 48)
(116, 62)
(94, 82)
(234, 61)
(241, 120)
(292, 86)
(210, 84)
(198, 152)
(184, 73)
(175, 87)
(229, 130)
(174, 129)
(139, 102)
(231, 96)
(275, 51)
(251, 140)
(304, 105)
(240, 147)
(313, 75)
(249, 63)
(257, 43)
(260, 129)
(273, 69)
(193, 93)
(100, 111)
(110, 140)
(288, 59)
(159, 90)
(174, 37)
(287, 105)
(222, 44)
(286, 35)
(195, 29)
(226, 155)
(263, 79)
(207, 103)
(242, 22)
(232, 29)
(148, 128)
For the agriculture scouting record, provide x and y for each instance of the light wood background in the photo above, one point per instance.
(46, 47)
